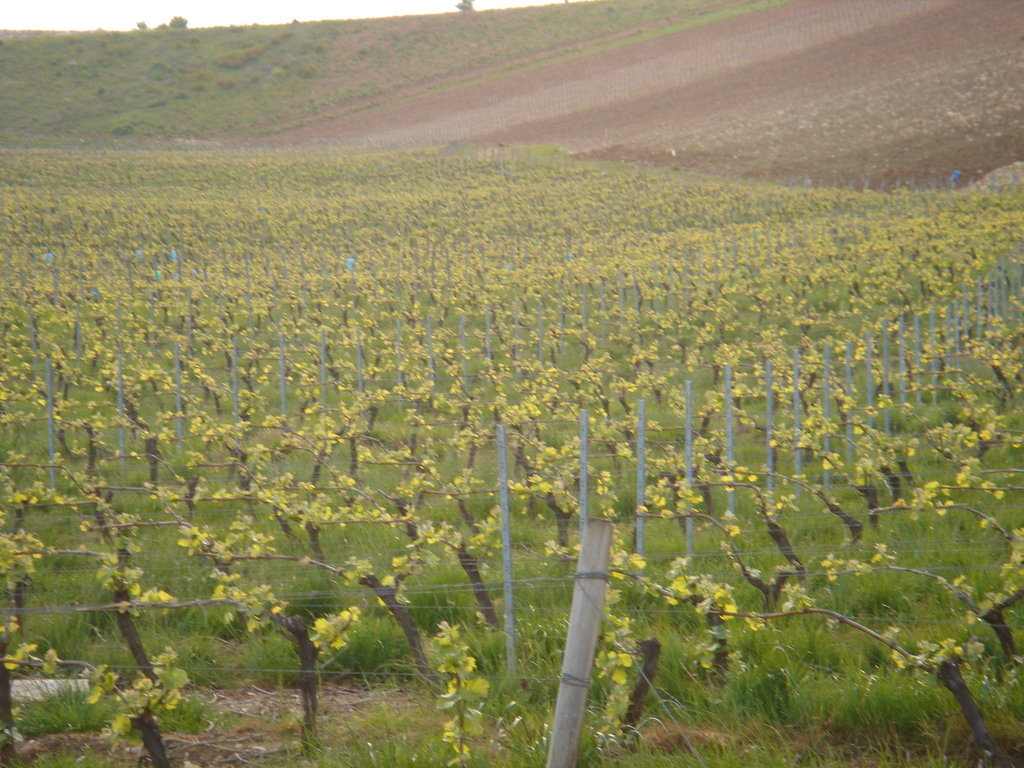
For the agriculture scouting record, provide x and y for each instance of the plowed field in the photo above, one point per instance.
(853, 91)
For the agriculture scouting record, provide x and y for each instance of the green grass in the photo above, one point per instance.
(66, 712)
(70, 712)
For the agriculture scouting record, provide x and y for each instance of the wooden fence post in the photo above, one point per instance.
(506, 553)
(584, 626)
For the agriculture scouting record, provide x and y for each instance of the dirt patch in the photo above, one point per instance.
(264, 725)
(276, 705)
(234, 747)
(876, 92)
(230, 747)
(1002, 178)
(673, 737)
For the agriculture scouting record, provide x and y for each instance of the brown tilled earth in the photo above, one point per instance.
(850, 91)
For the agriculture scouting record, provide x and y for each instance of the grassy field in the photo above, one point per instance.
(235, 82)
(404, 304)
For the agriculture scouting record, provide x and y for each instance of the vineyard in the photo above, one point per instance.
(310, 419)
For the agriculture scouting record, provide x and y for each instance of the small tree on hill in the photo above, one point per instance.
(464, 5)
(178, 22)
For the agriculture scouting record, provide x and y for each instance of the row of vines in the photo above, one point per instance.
(252, 393)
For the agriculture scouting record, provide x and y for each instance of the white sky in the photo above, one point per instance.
(123, 14)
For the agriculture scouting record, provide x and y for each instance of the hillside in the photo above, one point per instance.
(230, 83)
(882, 91)
(874, 91)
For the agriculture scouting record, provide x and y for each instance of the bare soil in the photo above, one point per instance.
(264, 726)
(876, 92)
